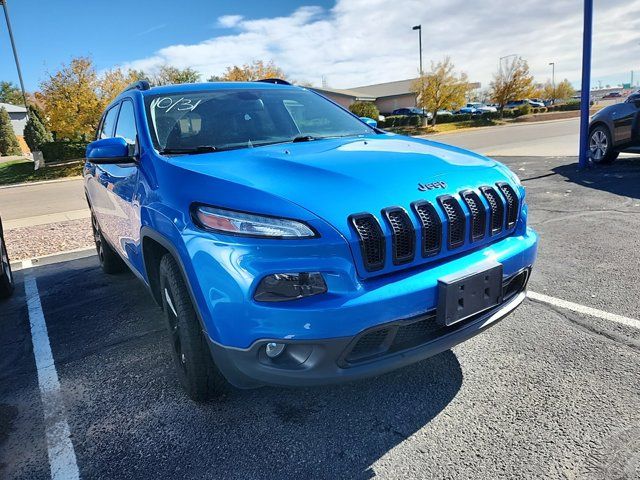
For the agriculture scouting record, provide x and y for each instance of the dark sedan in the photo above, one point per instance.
(615, 129)
(6, 278)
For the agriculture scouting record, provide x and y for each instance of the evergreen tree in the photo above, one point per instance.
(35, 132)
(8, 142)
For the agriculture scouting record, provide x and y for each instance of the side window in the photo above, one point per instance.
(126, 127)
(109, 122)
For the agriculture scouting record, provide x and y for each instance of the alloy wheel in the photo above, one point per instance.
(174, 328)
(97, 238)
(598, 145)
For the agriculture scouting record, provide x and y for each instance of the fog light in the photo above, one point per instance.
(281, 287)
(274, 349)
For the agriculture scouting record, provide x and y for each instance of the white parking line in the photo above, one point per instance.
(576, 307)
(62, 457)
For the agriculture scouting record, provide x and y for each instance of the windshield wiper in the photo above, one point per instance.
(304, 138)
(190, 150)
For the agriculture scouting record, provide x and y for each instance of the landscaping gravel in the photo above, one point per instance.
(30, 242)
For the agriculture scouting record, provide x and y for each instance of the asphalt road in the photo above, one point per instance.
(41, 199)
(530, 139)
(547, 393)
(554, 138)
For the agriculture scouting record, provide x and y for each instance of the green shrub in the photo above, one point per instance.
(8, 142)
(523, 109)
(365, 109)
(402, 121)
(61, 151)
(35, 133)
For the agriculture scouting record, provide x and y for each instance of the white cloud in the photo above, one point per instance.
(229, 21)
(359, 42)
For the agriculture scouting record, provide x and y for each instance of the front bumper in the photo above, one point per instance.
(327, 361)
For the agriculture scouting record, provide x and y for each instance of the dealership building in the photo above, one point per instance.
(387, 96)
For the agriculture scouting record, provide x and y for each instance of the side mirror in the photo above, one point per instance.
(110, 151)
(370, 121)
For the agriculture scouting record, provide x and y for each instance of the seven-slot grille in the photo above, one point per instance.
(478, 214)
(430, 221)
(431, 228)
(512, 203)
(372, 242)
(403, 235)
(456, 221)
(495, 207)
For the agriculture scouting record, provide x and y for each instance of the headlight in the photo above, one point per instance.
(247, 224)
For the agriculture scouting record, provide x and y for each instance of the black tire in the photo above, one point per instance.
(195, 368)
(110, 261)
(601, 148)
(6, 276)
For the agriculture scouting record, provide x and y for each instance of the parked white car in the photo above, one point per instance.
(477, 108)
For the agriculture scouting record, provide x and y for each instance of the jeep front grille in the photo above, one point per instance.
(478, 214)
(512, 203)
(456, 220)
(434, 219)
(372, 242)
(431, 228)
(403, 235)
(496, 208)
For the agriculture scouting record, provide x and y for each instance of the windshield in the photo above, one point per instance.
(191, 122)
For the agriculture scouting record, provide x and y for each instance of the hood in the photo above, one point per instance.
(335, 178)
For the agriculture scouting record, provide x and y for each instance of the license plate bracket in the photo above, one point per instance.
(463, 296)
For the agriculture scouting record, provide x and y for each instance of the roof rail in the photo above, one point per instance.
(139, 85)
(277, 81)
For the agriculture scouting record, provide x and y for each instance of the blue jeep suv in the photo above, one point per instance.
(290, 242)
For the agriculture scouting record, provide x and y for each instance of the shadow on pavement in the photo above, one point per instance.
(620, 178)
(129, 417)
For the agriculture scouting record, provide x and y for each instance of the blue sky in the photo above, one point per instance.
(116, 31)
(347, 42)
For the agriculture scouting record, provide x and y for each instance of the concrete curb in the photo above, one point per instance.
(43, 182)
(52, 258)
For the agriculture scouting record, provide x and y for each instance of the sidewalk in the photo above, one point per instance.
(45, 219)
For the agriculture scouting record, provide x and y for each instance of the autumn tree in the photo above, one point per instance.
(169, 75)
(113, 82)
(8, 142)
(561, 91)
(512, 81)
(10, 93)
(71, 101)
(250, 72)
(442, 88)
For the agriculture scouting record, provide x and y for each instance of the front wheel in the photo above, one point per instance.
(601, 146)
(197, 373)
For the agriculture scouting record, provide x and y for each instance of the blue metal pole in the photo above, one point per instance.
(585, 93)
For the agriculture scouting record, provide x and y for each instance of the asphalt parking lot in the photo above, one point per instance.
(550, 392)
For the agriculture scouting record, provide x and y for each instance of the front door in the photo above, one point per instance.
(115, 195)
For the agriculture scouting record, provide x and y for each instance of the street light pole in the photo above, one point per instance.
(419, 28)
(15, 52)
(553, 82)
